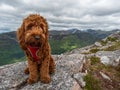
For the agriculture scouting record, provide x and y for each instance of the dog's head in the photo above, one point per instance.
(33, 31)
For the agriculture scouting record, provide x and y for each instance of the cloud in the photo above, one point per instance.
(62, 14)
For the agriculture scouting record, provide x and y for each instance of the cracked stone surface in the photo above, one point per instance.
(109, 57)
(12, 76)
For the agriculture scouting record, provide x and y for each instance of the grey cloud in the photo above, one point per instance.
(82, 14)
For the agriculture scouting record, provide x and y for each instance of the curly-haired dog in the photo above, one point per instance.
(33, 39)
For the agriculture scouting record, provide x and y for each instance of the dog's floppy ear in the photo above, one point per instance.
(21, 36)
(44, 26)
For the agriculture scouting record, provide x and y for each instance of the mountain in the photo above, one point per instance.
(99, 33)
(94, 67)
(9, 49)
(60, 41)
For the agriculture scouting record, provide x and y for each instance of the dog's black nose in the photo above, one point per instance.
(37, 37)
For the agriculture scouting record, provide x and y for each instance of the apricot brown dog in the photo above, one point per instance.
(33, 39)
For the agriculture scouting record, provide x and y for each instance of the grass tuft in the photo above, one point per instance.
(92, 83)
(112, 39)
(94, 50)
(116, 46)
(103, 42)
(94, 60)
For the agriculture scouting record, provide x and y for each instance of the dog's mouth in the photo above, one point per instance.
(34, 44)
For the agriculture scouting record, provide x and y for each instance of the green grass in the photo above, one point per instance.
(11, 55)
(94, 60)
(67, 43)
(94, 50)
(112, 39)
(92, 83)
(116, 46)
(103, 42)
(93, 79)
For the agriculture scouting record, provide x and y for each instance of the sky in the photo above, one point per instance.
(62, 14)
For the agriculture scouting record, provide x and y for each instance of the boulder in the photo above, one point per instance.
(12, 76)
(109, 57)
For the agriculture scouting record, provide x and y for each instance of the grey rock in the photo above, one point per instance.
(109, 57)
(79, 79)
(105, 60)
(80, 50)
(98, 44)
(76, 87)
(105, 76)
(12, 76)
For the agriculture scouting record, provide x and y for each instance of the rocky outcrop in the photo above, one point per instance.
(109, 57)
(65, 77)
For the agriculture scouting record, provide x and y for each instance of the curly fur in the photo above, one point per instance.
(32, 26)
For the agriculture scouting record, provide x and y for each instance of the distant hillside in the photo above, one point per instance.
(9, 48)
(60, 41)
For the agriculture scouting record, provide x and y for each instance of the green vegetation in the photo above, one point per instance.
(116, 46)
(94, 81)
(94, 50)
(94, 60)
(68, 43)
(103, 42)
(10, 51)
(112, 39)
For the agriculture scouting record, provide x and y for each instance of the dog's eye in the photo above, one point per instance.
(42, 26)
(29, 27)
(42, 29)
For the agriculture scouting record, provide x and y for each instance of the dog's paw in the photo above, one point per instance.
(45, 79)
(26, 71)
(30, 81)
(52, 71)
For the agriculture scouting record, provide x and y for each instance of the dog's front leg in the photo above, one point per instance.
(33, 70)
(52, 65)
(44, 70)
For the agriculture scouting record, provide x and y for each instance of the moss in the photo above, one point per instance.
(118, 68)
(94, 60)
(85, 53)
(92, 83)
(94, 50)
(116, 46)
(103, 42)
(93, 79)
(110, 48)
(112, 39)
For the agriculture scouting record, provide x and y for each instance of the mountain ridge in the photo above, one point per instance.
(60, 41)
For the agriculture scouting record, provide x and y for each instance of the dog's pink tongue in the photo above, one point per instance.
(33, 51)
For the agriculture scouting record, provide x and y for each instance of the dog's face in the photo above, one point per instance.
(33, 32)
